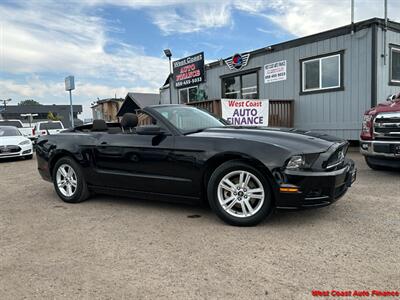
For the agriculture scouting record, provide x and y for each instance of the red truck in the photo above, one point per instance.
(380, 134)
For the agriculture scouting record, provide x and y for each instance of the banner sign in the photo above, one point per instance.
(69, 83)
(275, 71)
(245, 112)
(189, 70)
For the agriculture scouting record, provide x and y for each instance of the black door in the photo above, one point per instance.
(139, 162)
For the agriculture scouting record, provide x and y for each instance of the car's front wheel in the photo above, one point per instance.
(69, 181)
(239, 194)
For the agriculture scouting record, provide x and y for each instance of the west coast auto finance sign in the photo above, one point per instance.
(189, 70)
(245, 112)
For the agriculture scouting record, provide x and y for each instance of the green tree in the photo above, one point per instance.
(52, 117)
(28, 102)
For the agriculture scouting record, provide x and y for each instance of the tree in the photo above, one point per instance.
(28, 102)
(52, 117)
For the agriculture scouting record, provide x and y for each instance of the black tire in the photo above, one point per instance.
(226, 168)
(374, 166)
(29, 156)
(81, 192)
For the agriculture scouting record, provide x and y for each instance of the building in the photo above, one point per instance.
(111, 109)
(106, 109)
(135, 101)
(332, 77)
(41, 112)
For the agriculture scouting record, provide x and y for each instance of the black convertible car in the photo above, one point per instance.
(181, 153)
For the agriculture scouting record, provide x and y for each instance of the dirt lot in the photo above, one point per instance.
(113, 248)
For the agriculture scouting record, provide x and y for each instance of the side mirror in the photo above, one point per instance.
(391, 97)
(149, 130)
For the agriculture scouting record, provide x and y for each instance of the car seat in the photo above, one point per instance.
(129, 122)
(99, 125)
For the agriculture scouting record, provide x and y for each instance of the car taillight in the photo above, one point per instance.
(366, 130)
(33, 131)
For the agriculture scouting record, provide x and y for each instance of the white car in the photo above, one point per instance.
(47, 127)
(14, 144)
(25, 129)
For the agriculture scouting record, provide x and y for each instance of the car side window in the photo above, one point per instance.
(145, 120)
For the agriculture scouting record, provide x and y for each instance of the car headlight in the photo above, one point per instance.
(303, 161)
(295, 162)
(26, 142)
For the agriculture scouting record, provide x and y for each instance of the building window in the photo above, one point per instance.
(241, 86)
(395, 65)
(188, 94)
(323, 73)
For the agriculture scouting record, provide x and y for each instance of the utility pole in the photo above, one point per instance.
(352, 17)
(5, 102)
(5, 105)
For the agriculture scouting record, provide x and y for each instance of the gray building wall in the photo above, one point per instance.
(338, 113)
(383, 87)
(366, 78)
(164, 96)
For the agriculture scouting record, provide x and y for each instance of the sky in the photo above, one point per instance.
(116, 46)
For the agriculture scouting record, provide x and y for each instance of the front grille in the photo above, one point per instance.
(387, 126)
(9, 149)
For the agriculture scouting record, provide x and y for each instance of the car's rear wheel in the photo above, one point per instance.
(69, 181)
(239, 194)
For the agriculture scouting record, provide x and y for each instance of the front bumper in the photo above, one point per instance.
(307, 189)
(385, 149)
(23, 151)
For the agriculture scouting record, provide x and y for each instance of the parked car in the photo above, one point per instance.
(186, 154)
(24, 129)
(14, 144)
(47, 127)
(380, 134)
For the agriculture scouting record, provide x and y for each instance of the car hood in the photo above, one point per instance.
(11, 140)
(388, 106)
(291, 139)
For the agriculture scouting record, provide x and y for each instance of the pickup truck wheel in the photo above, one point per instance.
(69, 181)
(239, 194)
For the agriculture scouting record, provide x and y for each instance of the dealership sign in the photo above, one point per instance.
(275, 71)
(237, 61)
(245, 112)
(189, 70)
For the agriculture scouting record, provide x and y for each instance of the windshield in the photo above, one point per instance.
(188, 119)
(9, 131)
(11, 123)
(51, 125)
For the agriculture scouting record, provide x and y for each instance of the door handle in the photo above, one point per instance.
(103, 143)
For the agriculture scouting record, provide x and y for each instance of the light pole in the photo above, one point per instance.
(168, 54)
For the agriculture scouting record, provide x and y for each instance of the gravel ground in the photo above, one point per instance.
(116, 248)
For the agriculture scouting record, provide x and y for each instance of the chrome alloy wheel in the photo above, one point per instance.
(66, 180)
(241, 194)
